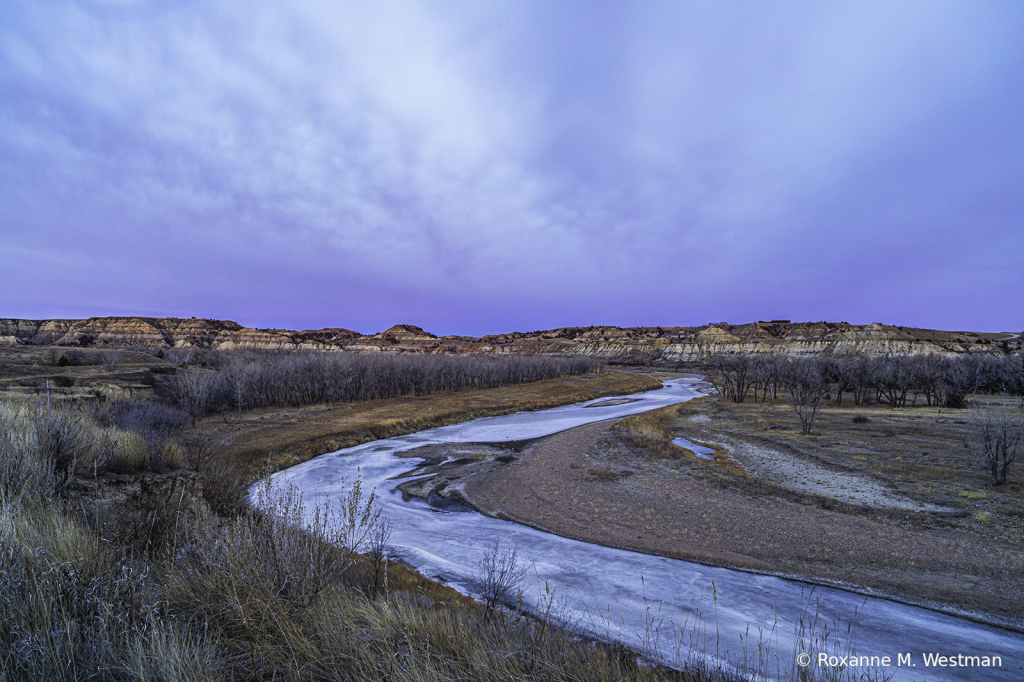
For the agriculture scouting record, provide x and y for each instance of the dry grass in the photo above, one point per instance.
(652, 433)
(250, 597)
(924, 453)
(25, 369)
(272, 440)
(254, 598)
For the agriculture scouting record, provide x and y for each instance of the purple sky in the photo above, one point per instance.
(484, 167)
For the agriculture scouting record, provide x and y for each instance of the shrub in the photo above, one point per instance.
(62, 438)
(77, 358)
(131, 453)
(154, 420)
(500, 576)
(999, 429)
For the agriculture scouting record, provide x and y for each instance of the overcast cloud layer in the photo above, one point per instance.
(486, 167)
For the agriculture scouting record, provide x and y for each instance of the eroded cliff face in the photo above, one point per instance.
(633, 344)
(142, 503)
(160, 333)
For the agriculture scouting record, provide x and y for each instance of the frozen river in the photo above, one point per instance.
(636, 598)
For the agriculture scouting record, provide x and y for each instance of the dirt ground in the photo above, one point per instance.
(896, 508)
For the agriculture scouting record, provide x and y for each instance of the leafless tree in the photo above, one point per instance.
(500, 575)
(737, 373)
(296, 378)
(192, 390)
(807, 388)
(238, 376)
(765, 377)
(998, 429)
(893, 378)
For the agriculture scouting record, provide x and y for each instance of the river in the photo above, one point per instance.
(668, 606)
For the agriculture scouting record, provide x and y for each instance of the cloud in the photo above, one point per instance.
(477, 168)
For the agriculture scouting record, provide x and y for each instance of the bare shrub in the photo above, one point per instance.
(377, 554)
(500, 575)
(22, 470)
(998, 430)
(78, 358)
(154, 421)
(309, 548)
(111, 359)
(63, 439)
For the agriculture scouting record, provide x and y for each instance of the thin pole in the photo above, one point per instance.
(47, 398)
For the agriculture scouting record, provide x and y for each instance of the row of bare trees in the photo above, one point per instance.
(246, 379)
(896, 380)
(997, 423)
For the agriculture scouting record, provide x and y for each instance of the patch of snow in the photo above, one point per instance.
(801, 475)
(698, 450)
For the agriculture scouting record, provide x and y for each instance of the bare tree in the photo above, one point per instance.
(296, 378)
(500, 575)
(238, 375)
(192, 389)
(765, 377)
(807, 387)
(999, 429)
(893, 379)
(738, 373)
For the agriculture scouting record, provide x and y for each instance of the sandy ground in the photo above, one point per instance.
(585, 483)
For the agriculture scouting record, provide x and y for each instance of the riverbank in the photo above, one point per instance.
(264, 441)
(605, 484)
(613, 592)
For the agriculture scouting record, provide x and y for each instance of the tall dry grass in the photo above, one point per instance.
(252, 597)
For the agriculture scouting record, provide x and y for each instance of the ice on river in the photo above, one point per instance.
(633, 597)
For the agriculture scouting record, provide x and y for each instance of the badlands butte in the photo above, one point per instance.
(630, 345)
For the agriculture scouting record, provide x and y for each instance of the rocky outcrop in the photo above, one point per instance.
(144, 505)
(640, 345)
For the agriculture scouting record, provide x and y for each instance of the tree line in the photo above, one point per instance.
(246, 379)
(894, 380)
(890, 379)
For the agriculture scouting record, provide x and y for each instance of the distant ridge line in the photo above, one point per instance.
(639, 345)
